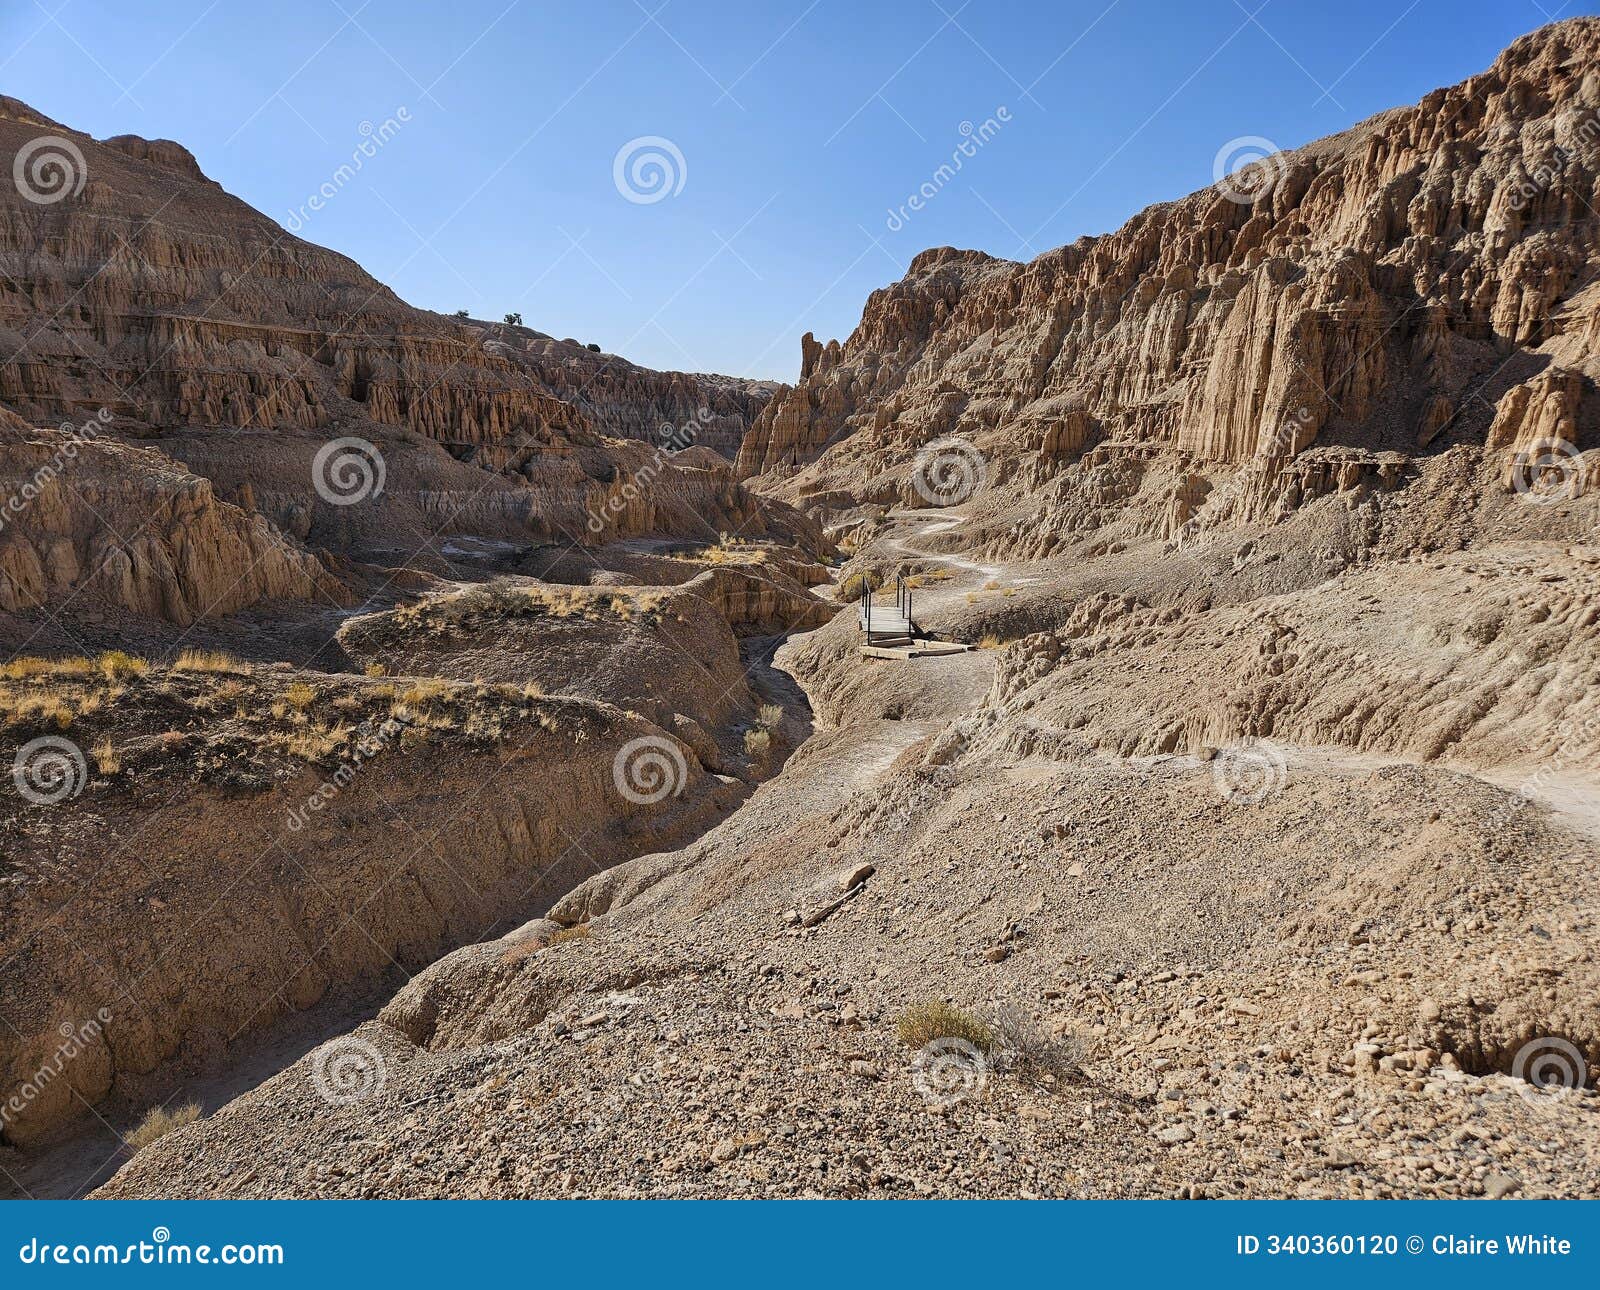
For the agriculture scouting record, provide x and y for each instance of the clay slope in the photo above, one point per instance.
(204, 849)
(1418, 286)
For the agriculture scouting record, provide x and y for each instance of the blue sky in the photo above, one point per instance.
(801, 126)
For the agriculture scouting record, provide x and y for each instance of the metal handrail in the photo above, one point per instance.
(902, 602)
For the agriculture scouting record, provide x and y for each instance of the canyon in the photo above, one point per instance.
(534, 824)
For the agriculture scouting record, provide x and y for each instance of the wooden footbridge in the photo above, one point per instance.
(890, 631)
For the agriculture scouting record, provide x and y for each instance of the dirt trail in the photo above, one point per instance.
(931, 522)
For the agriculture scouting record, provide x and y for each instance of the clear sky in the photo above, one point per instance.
(802, 126)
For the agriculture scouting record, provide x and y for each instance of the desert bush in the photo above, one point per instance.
(159, 1122)
(922, 1024)
(577, 932)
(1027, 1050)
(769, 716)
(374, 669)
(40, 709)
(422, 691)
(757, 743)
(853, 584)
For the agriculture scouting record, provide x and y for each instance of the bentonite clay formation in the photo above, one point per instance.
(1251, 850)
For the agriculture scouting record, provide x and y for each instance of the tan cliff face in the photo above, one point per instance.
(153, 292)
(147, 303)
(1399, 288)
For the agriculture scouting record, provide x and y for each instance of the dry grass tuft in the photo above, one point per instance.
(300, 696)
(577, 932)
(770, 715)
(210, 660)
(22, 669)
(757, 743)
(921, 1025)
(104, 752)
(316, 743)
(422, 691)
(853, 585)
(115, 663)
(160, 1121)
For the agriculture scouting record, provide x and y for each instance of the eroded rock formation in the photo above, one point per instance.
(1417, 283)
